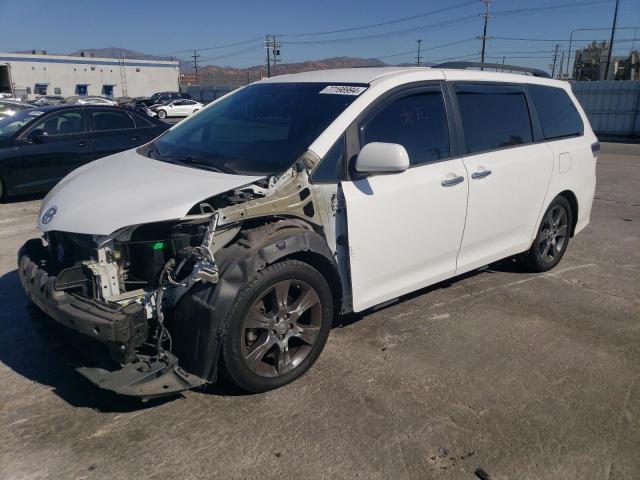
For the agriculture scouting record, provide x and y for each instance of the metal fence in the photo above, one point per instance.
(208, 93)
(613, 108)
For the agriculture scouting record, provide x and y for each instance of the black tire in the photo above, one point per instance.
(162, 114)
(551, 239)
(268, 371)
(1, 191)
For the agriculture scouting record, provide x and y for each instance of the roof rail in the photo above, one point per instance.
(464, 65)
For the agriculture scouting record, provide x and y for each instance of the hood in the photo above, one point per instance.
(129, 189)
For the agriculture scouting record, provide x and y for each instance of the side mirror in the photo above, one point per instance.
(378, 157)
(37, 136)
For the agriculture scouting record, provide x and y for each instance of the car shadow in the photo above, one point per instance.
(508, 265)
(28, 347)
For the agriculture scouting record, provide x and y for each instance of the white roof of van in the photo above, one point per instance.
(343, 75)
(370, 75)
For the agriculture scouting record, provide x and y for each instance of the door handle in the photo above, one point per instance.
(480, 174)
(450, 182)
(83, 143)
(135, 139)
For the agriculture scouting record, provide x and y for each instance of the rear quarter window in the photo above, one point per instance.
(557, 112)
(493, 116)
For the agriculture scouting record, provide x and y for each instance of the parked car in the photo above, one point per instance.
(141, 107)
(164, 97)
(45, 100)
(232, 241)
(11, 107)
(88, 100)
(177, 108)
(39, 146)
(124, 101)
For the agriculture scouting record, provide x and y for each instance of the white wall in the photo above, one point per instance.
(143, 77)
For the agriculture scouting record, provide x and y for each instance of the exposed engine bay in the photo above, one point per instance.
(142, 272)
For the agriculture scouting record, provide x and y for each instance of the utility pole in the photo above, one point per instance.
(555, 59)
(484, 31)
(613, 31)
(195, 57)
(268, 47)
(275, 50)
(418, 57)
(561, 65)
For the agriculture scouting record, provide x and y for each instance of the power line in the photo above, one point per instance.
(383, 34)
(236, 44)
(557, 40)
(231, 54)
(435, 47)
(551, 7)
(389, 22)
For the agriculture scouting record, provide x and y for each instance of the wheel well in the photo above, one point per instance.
(573, 203)
(328, 271)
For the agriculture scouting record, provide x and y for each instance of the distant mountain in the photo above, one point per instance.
(114, 52)
(209, 74)
(239, 76)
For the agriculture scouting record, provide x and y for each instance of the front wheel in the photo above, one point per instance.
(162, 114)
(277, 326)
(552, 239)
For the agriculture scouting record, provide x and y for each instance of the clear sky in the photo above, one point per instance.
(160, 26)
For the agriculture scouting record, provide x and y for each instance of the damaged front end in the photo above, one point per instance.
(139, 293)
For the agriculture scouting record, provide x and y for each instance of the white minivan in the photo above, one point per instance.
(231, 242)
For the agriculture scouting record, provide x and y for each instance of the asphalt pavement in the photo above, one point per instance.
(526, 376)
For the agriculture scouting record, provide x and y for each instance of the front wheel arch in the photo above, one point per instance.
(198, 322)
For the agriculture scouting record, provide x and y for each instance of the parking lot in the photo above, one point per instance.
(527, 376)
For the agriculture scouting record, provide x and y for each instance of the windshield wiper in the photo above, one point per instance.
(193, 161)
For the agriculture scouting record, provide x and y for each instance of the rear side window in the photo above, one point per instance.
(62, 123)
(558, 114)
(417, 122)
(141, 122)
(493, 116)
(111, 120)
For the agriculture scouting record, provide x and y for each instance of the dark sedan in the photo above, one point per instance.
(39, 146)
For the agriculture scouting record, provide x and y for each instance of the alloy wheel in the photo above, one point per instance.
(281, 328)
(553, 234)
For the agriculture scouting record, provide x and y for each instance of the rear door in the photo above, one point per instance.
(114, 130)
(63, 143)
(405, 228)
(509, 171)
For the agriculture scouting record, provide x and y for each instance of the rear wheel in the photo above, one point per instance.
(552, 239)
(278, 326)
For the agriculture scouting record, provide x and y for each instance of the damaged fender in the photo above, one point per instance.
(198, 321)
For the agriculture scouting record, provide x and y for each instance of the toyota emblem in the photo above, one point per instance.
(48, 215)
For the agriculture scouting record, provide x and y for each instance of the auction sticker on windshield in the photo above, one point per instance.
(343, 90)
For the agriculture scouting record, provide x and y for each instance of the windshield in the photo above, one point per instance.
(260, 130)
(10, 125)
(11, 108)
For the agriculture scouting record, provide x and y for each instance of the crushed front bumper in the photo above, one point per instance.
(121, 329)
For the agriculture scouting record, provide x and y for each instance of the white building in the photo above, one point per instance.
(29, 75)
